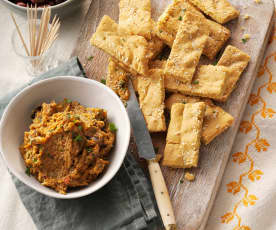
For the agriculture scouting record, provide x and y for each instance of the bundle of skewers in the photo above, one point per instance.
(41, 34)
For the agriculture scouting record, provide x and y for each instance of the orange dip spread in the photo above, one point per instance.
(67, 144)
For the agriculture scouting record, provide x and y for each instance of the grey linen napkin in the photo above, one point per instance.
(125, 203)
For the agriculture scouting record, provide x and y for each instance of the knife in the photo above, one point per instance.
(146, 151)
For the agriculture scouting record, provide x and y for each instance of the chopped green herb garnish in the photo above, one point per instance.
(68, 115)
(112, 127)
(195, 82)
(28, 171)
(80, 127)
(103, 81)
(160, 31)
(181, 181)
(89, 149)
(78, 138)
(180, 18)
(90, 58)
(122, 84)
(244, 40)
(34, 160)
(215, 62)
(125, 104)
(68, 101)
(31, 140)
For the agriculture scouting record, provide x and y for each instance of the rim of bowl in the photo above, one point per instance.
(39, 9)
(86, 191)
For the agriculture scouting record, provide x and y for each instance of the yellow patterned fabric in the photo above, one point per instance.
(247, 199)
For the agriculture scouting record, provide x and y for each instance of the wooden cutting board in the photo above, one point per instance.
(192, 201)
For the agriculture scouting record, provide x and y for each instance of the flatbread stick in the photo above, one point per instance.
(187, 48)
(169, 21)
(183, 137)
(151, 93)
(219, 10)
(135, 17)
(209, 81)
(236, 61)
(215, 121)
(129, 50)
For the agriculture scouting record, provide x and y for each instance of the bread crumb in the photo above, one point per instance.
(246, 16)
(189, 176)
(258, 1)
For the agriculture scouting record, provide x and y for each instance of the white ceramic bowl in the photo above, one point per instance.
(62, 9)
(16, 120)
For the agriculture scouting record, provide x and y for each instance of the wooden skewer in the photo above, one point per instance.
(35, 36)
(53, 37)
(53, 30)
(39, 33)
(29, 24)
(32, 32)
(28, 16)
(20, 35)
(42, 38)
(47, 30)
(42, 31)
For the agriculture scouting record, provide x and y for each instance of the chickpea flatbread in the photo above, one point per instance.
(183, 137)
(187, 48)
(219, 10)
(135, 17)
(169, 21)
(151, 99)
(171, 18)
(236, 61)
(215, 121)
(209, 81)
(129, 50)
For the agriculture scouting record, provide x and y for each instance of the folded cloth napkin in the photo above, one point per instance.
(126, 203)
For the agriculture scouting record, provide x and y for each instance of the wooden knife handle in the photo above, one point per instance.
(161, 195)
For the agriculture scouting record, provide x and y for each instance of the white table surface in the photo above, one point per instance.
(13, 215)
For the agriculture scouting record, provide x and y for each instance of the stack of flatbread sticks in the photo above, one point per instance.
(179, 83)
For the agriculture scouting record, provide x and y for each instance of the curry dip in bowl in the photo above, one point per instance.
(67, 145)
(61, 148)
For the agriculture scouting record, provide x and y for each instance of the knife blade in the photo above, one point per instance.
(146, 151)
(139, 127)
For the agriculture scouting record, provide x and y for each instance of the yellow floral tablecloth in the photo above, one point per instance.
(247, 196)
